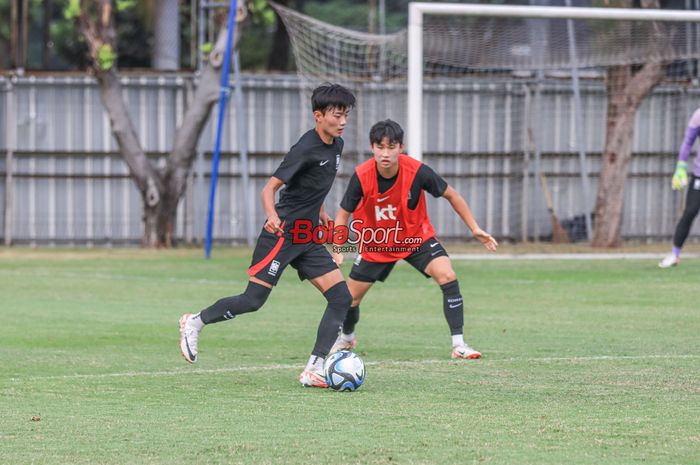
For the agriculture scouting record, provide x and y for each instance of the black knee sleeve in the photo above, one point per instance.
(255, 296)
(339, 300)
(339, 296)
(453, 306)
(227, 308)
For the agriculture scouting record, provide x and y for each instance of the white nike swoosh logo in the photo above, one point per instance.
(436, 252)
(383, 199)
(323, 163)
(433, 245)
(455, 306)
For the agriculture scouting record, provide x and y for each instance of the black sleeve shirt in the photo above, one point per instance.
(308, 171)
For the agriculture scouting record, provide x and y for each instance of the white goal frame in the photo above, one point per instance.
(416, 11)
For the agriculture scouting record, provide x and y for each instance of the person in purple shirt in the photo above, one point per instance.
(679, 182)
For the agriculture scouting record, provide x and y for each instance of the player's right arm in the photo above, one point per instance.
(273, 223)
(461, 207)
(433, 183)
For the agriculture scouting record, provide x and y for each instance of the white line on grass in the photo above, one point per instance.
(565, 256)
(120, 277)
(128, 374)
(231, 281)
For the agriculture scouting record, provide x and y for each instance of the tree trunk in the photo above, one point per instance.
(160, 190)
(147, 179)
(159, 221)
(184, 150)
(625, 90)
(625, 94)
(616, 157)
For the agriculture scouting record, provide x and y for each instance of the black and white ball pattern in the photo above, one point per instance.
(345, 371)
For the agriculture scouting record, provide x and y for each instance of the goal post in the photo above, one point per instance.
(417, 11)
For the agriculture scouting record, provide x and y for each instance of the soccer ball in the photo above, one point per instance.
(345, 371)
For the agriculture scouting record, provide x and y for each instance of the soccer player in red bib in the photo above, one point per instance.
(307, 171)
(386, 198)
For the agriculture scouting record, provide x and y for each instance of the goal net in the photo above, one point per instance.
(510, 105)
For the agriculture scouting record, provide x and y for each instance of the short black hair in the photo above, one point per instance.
(387, 128)
(329, 96)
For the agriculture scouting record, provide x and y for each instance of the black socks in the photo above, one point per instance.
(339, 300)
(453, 306)
(227, 308)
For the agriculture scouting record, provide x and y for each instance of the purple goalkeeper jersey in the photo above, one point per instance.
(690, 134)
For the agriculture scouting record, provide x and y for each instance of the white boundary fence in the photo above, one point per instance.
(63, 182)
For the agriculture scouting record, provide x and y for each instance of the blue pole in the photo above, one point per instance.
(219, 126)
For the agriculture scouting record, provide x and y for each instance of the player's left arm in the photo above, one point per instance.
(461, 207)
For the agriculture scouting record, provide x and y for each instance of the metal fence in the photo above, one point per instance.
(62, 180)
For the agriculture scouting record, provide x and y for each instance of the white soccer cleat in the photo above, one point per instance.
(669, 261)
(315, 379)
(465, 352)
(342, 344)
(189, 337)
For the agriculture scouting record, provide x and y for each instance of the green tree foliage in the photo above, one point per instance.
(106, 57)
(134, 21)
(262, 12)
(65, 46)
(354, 14)
(72, 9)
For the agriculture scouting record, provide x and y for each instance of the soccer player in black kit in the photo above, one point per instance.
(308, 171)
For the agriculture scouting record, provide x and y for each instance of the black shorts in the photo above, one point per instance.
(370, 272)
(273, 253)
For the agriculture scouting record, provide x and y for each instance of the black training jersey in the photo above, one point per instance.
(308, 171)
(426, 179)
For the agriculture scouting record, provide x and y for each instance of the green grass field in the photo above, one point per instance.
(594, 362)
